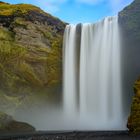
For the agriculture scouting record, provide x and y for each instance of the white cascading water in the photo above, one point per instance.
(92, 93)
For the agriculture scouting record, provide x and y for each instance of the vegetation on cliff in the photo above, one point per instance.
(134, 118)
(30, 53)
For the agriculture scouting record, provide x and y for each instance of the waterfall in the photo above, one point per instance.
(92, 92)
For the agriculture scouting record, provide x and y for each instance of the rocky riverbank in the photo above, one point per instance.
(9, 125)
(83, 135)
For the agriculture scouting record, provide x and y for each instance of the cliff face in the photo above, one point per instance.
(30, 53)
(129, 20)
(134, 118)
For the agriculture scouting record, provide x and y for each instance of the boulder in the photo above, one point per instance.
(9, 125)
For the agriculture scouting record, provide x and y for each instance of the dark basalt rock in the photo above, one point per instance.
(5, 21)
(35, 16)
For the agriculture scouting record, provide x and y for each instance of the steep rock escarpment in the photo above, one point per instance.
(30, 55)
(129, 20)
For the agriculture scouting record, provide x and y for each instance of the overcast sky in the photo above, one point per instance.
(78, 11)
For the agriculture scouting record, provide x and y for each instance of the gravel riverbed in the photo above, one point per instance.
(71, 135)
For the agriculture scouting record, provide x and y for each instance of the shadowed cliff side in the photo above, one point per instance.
(129, 20)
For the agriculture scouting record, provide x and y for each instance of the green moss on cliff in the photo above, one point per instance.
(6, 34)
(29, 74)
(134, 118)
(18, 9)
(30, 55)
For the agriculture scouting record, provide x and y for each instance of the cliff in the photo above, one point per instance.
(134, 118)
(30, 56)
(129, 20)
